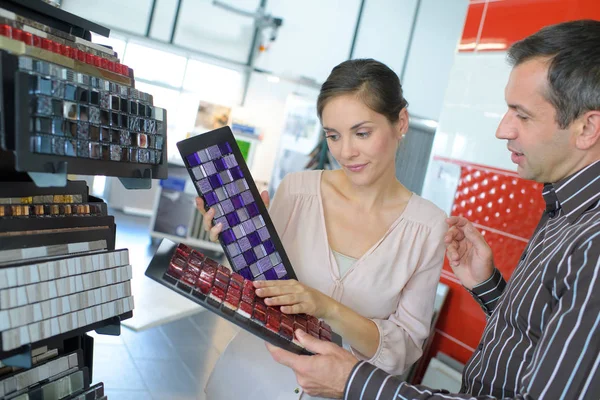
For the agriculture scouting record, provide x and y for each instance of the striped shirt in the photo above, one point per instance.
(542, 337)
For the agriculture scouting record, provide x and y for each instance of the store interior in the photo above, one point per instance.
(255, 67)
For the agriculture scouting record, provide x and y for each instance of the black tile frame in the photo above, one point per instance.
(215, 137)
(157, 270)
(28, 189)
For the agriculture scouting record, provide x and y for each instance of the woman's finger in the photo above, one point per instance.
(207, 221)
(273, 291)
(284, 300)
(300, 308)
(200, 205)
(214, 232)
(263, 284)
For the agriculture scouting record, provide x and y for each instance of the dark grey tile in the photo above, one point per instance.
(150, 344)
(167, 379)
(114, 366)
(184, 333)
(127, 394)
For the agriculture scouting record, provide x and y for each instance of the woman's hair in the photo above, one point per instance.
(371, 81)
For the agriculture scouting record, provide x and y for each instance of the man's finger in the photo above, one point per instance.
(315, 345)
(283, 357)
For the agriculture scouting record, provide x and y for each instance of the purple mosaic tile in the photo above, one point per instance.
(263, 233)
(237, 201)
(247, 197)
(249, 256)
(230, 161)
(254, 269)
(220, 164)
(228, 236)
(259, 222)
(246, 273)
(233, 219)
(203, 156)
(218, 211)
(254, 239)
(269, 246)
(198, 172)
(214, 152)
(221, 194)
(204, 186)
(241, 185)
(239, 231)
(222, 220)
(237, 173)
(264, 264)
(261, 277)
(211, 199)
(227, 206)
(209, 168)
(248, 226)
(280, 271)
(259, 251)
(193, 160)
(225, 148)
(275, 259)
(226, 177)
(242, 214)
(244, 244)
(233, 249)
(253, 210)
(215, 181)
(232, 189)
(270, 275)
(239, 262)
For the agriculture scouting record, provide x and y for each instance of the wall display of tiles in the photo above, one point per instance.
(223, 180)
(231, 296)
(45, 299)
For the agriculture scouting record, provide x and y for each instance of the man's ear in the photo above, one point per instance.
(590, 134)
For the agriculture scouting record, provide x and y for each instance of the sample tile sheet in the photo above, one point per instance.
(17, 255)
(39, 301)
(21, 381)
(231, 296)
(223, 180)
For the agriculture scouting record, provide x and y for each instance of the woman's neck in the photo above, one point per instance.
(384, 191)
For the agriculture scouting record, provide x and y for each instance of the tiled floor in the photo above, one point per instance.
(172, 361)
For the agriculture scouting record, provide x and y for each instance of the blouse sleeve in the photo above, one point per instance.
(402, 334)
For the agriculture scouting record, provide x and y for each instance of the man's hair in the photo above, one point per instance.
(573, 49)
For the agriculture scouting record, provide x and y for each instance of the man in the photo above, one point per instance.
(542, 338)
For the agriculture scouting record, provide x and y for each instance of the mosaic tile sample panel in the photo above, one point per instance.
(223, 180)
(231, 296)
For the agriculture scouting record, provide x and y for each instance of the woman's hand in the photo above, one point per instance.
(208, 216)
(296, 298)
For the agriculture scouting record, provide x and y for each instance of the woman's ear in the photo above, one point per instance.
(402, 124)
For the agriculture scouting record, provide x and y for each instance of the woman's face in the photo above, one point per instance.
(363, 141)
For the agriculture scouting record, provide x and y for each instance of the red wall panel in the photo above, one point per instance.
(508, 21)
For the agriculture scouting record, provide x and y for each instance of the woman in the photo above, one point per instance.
(367, 252)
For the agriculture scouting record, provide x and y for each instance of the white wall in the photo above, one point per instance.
(384, 31)
(437, 33)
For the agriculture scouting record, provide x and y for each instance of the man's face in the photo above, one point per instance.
(542, 150)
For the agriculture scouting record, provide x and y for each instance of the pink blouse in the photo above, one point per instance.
(393, 283)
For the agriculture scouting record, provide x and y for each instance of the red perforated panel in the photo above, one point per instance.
(501, 201)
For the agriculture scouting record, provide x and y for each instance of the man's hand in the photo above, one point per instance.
(324, 374)
(468, 253)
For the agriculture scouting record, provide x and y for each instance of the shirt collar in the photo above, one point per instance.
(574, 194)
